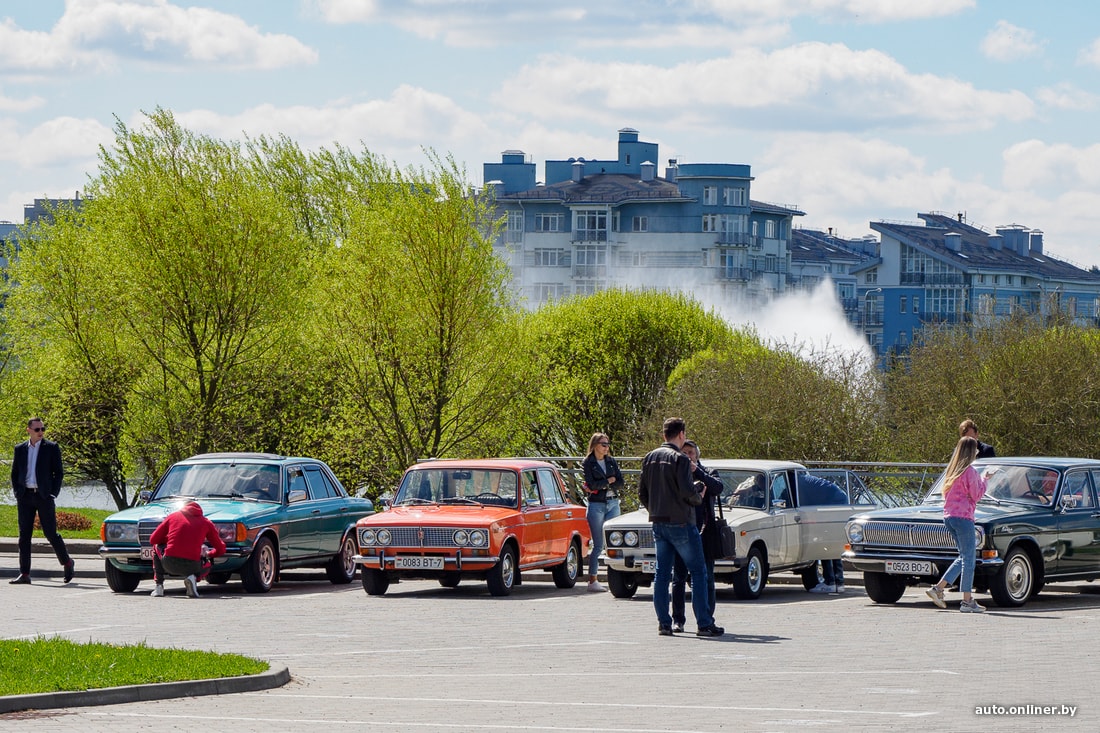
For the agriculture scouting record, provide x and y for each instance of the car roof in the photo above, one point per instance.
(1059, 462)
(515, 464)
(749, 464)
(244, 457)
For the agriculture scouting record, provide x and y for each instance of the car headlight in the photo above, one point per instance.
(231, 531)
(631, 538)
(855, 533)
(478, 538)
(367, 537)
(383, 536)
(461, 537)
(119, 532)
(615, 538)
(979, 537)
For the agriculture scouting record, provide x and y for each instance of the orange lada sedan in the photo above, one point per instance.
(490, 519)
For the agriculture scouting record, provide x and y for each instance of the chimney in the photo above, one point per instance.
(1036, 242)
(670, 172)
(953, 241)
(996, 242)
(649, 171)
(578, 171)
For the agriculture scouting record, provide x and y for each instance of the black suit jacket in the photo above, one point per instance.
(48, 469)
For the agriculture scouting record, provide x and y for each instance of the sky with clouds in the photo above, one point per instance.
(851, 110)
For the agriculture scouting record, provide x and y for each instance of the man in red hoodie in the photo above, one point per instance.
(189, 539)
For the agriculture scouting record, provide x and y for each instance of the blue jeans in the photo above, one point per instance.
(679, 587)
(681, 540)
(963, 531)
(832, 572)
(598, 513)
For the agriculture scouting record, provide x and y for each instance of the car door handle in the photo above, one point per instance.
(546, 516)
(315, 511)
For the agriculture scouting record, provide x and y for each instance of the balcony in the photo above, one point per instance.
(743, 274)
(736, 239)
(589, 271)
(920, 278)
(589, 235)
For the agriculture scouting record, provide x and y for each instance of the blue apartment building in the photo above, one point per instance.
(597, 224)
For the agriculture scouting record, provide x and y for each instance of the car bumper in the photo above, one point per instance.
(642, 564)
(875, 562)
(129, 559)
(450, 562)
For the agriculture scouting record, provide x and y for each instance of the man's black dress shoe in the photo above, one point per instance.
(21, 579)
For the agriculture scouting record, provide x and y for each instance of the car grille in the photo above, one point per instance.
(410, 536)
(904, 534)
(645, 539)
(145, 530)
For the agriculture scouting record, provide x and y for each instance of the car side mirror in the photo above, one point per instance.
(386, 500)
(297, 495)
(779, 504)
(528, 503)
(1068, 501)
(144, 496)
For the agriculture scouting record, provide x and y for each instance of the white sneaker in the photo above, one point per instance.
(839, 587)
(192, 586)
(823, 588)
(595, 587)
(158, 592)
(971, 606)
(937, 596)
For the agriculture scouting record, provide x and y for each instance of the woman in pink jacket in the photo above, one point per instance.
(962, 488)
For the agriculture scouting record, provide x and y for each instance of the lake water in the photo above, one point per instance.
(83, 496)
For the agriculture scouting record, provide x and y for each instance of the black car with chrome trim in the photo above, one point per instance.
(1039, 521)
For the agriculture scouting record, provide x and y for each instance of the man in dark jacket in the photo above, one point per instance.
(36, 474)
(969, 429)
(667, 491)
(706, 522)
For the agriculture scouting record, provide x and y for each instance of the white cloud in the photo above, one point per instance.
(1066, 96)
(864, 11)
(10, 104)
(61, 141)
(1007, 42)
(1090, 55)
(810, 85)
(96, 34)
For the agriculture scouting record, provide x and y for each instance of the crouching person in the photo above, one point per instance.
(183, 545)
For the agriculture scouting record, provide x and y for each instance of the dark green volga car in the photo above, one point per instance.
(1038, 522)
(273, 512)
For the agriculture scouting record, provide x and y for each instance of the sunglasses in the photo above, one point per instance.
(604, 444)
(39, 429)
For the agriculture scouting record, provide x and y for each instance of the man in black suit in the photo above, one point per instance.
(36, 475)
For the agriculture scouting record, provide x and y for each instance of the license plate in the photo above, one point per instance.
(909, 567)
(147, 553)
(649, 566)
(418, 563)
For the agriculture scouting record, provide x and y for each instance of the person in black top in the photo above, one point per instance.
(602, 480)
(704, 519)
(36, 475)
(968, 429)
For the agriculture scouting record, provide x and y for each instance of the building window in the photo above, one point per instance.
(755, 229)
(546, 292)
(639, 224)
(710, 195)
(513, 230)
(871, 276)
(770, 229)
(770, 262)
(734, 196)
(549, 257)
(902, 304)
(590, 225)
(587, 287)
(548, 222)
(710, 222)
(589, 261)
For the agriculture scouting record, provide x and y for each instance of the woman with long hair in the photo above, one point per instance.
(962, 488)
(602, 481)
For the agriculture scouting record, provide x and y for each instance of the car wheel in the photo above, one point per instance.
(502, 577)
(450, 580)
(258, 572)
(810, 576)
(218, 578)
(883, 588)
(341, 568)
(1014, 582)
(375, 582)
(565, 575)
(622, 585)
(120, 581)
(750, 580)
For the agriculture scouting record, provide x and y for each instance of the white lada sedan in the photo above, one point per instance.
(775, 531)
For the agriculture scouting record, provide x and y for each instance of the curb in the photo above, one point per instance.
(141, 693)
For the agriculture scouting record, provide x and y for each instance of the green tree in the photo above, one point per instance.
(604, 361)
(417, 312)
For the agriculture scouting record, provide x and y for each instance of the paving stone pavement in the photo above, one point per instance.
(424, 658)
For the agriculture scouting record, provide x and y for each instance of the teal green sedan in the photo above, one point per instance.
(273, 512)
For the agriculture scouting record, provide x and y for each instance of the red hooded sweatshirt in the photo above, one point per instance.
(184, 533)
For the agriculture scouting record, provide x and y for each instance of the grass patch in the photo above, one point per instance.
(77, 524)
(55, 664)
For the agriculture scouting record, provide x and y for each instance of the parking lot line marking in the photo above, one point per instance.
(451, 649)
(627, 705)
(656, 673)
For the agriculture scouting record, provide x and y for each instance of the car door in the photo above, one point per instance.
(1076, 507)
(558, 532)
(329, 507)
(536, 516)
(783, 545)
(821, 525)
(301, 529)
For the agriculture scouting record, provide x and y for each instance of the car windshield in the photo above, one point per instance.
(231, 480)
(490, 486)
(743, 488)
(1025, 484)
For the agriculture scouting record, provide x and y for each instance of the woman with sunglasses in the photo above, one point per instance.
(602, 481)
